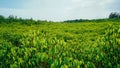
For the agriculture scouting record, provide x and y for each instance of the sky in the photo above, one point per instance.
(59, 10)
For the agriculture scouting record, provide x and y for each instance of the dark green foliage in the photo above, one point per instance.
(114, 15)
(2, 18)
(13, 38)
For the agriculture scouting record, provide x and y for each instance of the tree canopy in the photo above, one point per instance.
(114, 15)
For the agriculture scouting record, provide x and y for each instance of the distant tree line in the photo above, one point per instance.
(15, 19)
(113, 16)
(77, 20)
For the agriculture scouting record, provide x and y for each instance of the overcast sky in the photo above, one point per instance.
(59, 10)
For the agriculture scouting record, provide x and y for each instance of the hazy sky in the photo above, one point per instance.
(59, 10)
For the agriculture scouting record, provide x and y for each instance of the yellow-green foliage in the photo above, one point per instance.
(60, 45)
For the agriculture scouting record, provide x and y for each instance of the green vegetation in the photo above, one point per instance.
(114, 15)
(42, 44)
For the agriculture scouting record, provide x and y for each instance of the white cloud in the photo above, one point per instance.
(35, 14)
(90, 9)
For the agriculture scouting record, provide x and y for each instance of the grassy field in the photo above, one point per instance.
(60, 45)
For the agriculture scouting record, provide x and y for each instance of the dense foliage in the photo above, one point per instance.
(114, 15)
(59, 45)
